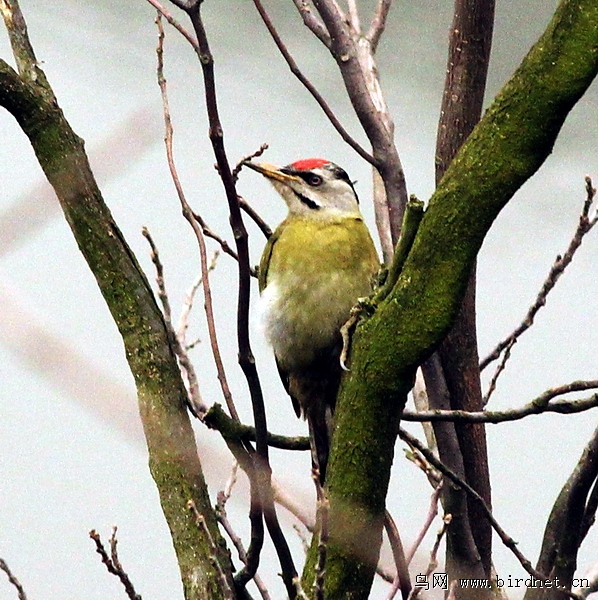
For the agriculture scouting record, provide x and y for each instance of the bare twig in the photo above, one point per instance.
(245, 354)
(508, 541)
(222, 498)
(214, 236)
(13, 580)
(183, 324)
(562, 262)
(354, 16)
(433, 562)
(172, 21)
(432, 512)
(195, 402)
(253, 215)
(355, 59)
(239, 166)
(162, 295)
(201, 523)
(401, 580)
(539, 405)
(312, 22)
(113, 563)
(499, 369)
(309, 85)
(322, 524)
(378, 23)
(188, 214)
(27, 64)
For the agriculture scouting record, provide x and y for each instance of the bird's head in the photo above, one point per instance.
(313, 187)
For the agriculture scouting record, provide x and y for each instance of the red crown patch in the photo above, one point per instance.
(309, 163)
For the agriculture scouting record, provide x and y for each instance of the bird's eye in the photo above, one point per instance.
(314, 180)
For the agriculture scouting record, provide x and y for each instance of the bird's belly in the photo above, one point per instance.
(302, 321)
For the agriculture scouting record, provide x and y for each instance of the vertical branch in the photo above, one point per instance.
(565, 529)
(354, 54)
(173, 458)
(467, 68)
(246, 359)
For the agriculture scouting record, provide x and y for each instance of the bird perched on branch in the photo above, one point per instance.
(315, 266)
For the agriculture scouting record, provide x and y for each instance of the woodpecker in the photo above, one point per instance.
(315, 266)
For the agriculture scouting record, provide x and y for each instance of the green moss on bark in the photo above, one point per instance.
(506, 148)
(173, 458)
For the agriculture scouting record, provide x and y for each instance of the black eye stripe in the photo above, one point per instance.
(310, 178)
(307, 201)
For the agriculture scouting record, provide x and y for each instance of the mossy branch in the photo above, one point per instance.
(173, 458)
(506, 148)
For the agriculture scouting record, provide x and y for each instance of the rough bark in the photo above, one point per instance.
(469, 55)
(173, 457)
(506, 148)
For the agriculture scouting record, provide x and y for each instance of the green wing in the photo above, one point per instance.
(265, 260)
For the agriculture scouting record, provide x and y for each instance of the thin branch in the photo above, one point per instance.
(245, 354)
(378, 23)
(238, 544)
(27, 64)
(183, 324)
(401, 579)
(224, 245)
(433, 562)
(235, 431)
(195, 402)
(188, 214)
(564, 530)
(498, 371)
(255, 217)
(354, 16)
(203, 526)
(113, 563)
(172, 21)
(322, 524)
(539, 405)
(561, 263)
(508, 541)
(356, 62)
(240, 164)
(312, 22)
(309, 86)
(432, 513)
(221, 500)
(13, 580)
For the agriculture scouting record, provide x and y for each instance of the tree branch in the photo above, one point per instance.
(197, 229)
(537, 406)
(564, 529)
(309, 86)
(558, 268)
(112, 562)
(246, 359)
(509, 144)
(470, 41)
(173, 457)
(13, 580)
(355, 60)
(378, 23)
(507, 540)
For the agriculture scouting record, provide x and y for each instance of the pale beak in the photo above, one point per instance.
(272, 172)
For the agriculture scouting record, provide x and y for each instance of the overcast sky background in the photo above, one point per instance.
(72, 454)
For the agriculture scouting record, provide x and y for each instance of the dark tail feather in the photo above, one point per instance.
(319, 420)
